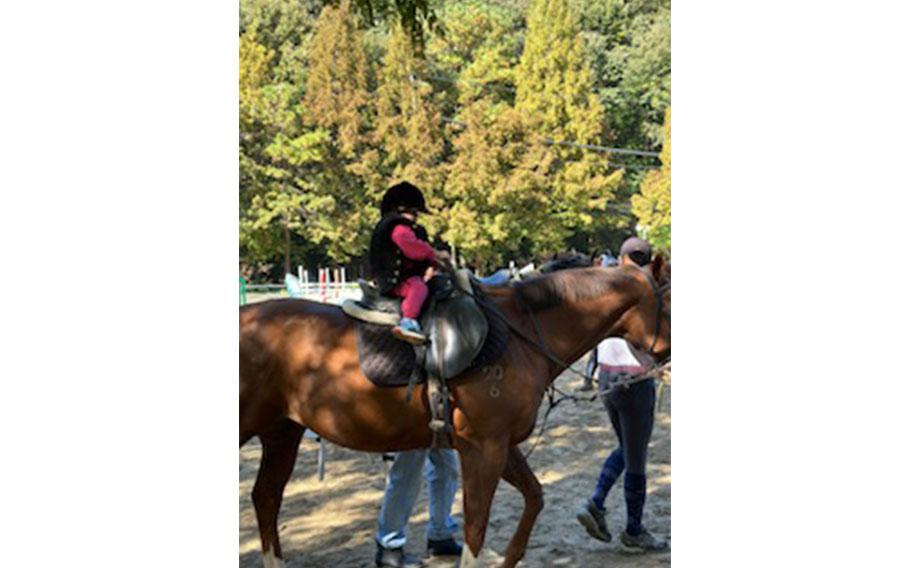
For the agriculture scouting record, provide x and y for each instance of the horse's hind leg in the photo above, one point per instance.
(520, 476)
(279, 452)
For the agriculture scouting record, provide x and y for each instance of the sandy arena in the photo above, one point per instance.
(332, 523)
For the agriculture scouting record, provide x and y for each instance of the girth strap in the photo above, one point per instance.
(438, 399)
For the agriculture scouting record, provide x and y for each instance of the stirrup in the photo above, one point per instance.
(411, 337)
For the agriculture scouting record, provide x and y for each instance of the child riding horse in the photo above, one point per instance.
(401, 261)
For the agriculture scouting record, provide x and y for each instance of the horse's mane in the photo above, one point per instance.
(573, 284)
(563, 261)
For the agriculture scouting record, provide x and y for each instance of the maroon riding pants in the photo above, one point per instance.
(413, 293)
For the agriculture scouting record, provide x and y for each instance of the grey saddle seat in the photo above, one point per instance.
(454, 324)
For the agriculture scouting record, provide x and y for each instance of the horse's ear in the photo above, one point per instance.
(658, 266)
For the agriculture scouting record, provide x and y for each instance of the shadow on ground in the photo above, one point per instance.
(331, 523)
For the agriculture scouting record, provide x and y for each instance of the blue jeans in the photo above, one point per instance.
(403, 488)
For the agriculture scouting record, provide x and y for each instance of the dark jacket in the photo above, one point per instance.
(388, 264)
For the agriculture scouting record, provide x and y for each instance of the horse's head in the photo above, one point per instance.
(647, 325)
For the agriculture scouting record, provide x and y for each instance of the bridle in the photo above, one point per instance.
(655, 371)
(659, 294)
(540, 344)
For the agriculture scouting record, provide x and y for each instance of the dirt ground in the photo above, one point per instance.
(332, 523)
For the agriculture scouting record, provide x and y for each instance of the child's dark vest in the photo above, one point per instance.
(388, 265)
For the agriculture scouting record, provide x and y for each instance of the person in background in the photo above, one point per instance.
(631, 411)
(607, 259)
(440, 467)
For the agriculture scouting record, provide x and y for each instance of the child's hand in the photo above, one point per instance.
(443, 258)
(429, 273)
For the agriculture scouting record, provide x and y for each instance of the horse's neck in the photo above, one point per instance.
(572, 329)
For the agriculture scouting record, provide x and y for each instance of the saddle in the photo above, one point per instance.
(457, 331)
(454, 324)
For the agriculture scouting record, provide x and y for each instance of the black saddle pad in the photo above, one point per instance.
(388, 362)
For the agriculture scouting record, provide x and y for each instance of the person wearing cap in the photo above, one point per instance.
(631, 412)
(401, 259)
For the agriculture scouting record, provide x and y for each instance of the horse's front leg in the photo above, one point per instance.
(482, 464)
(519, 475)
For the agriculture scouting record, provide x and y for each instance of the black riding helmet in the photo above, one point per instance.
(403, 195)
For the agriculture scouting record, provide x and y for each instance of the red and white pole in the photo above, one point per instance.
(323, 274)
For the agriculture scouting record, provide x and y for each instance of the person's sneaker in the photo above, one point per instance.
(445, 547)
(592, 519)
(396, 558)
(586, 386)
(644, 541)
(409, 330)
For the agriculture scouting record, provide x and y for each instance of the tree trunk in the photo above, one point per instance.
(287, 248)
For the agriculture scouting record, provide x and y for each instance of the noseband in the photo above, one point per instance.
(659, 294)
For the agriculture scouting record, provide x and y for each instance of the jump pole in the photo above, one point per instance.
(323, 276)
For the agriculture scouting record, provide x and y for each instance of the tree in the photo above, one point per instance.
(337, 103)
(258, 237)
(274, 148)
(414, 16)
(498, 188)
(554, 90)
(628, 47)
(652, 206)
(338, 207)
(285, 27)
(408, 127)
(478, 54)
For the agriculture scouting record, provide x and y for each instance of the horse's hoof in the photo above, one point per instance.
(467, 558)
(269, 560)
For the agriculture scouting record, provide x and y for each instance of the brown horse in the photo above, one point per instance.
(299, 369)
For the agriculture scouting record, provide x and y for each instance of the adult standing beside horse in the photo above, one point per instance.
(631, 410)
(440, 467)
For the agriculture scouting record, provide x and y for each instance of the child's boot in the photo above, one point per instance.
(409, 330)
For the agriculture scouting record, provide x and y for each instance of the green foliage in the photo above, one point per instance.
(409, 128)
(336, 89)
(497, 188)
(479, 52)
(652, 206)
(628, 46)
(414, 16)
(340, 207)
(554, 90)
(341, 98)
